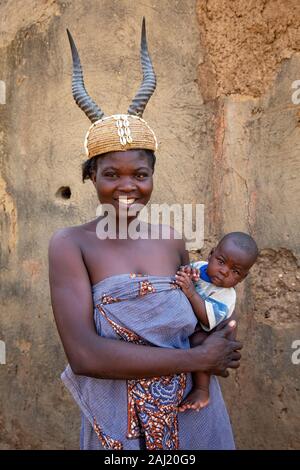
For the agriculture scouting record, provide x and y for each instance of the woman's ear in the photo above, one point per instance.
(94, 169)
(93, 177)
(94, 173)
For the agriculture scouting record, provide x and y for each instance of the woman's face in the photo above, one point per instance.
(124, 179)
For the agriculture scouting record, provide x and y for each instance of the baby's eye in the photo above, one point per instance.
(220, 261)
(236, 272)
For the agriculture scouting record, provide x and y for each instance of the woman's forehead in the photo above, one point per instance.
(128, 159)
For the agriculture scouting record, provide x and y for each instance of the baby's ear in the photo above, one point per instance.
(244, 276)
(211, 252)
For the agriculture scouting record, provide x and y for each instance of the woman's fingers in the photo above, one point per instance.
(234, 364)
(225, 373)
(228, 325)
(226, 328)
(236, 356)
(236, 345)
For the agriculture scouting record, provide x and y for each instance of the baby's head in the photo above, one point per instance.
(230, 262)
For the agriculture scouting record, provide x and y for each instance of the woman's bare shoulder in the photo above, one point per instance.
(66, 261)
(66, 236)
(71, 236)
(63, 249)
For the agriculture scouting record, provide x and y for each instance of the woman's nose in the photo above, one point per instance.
(126, 184)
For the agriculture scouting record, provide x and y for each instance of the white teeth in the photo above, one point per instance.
(124, 200)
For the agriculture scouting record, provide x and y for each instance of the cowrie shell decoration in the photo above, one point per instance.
(124, 133)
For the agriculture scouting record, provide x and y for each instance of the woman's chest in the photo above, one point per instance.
(104, 258)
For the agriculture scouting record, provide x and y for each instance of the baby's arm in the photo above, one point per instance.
(185, 282)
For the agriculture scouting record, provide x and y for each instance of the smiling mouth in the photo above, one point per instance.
(126, 201)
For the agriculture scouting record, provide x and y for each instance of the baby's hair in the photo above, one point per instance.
(243, 241)
(90, 166)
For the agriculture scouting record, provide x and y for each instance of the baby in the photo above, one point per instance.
(209, 286)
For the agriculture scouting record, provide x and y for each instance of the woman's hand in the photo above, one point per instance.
(220, 351)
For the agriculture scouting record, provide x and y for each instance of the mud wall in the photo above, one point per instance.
(229, 138)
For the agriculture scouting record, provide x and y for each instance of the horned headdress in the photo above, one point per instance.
(118, 132)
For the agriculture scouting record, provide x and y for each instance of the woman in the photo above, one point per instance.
(126, 333)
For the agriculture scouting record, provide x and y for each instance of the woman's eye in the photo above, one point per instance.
(141, 176)
(110, 175)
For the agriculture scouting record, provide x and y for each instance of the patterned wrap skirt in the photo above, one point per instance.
(142, 414)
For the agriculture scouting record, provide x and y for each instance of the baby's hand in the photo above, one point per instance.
(193, 273)
(185, 282)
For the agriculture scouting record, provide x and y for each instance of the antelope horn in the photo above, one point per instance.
(148, 86)
(83, 100)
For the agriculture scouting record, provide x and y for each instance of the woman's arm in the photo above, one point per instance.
(95, 356)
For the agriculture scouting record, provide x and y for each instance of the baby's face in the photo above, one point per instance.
(228, 264)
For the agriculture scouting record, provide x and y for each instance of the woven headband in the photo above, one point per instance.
(118, 132)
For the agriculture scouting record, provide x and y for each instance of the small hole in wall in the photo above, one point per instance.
(63, 193)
